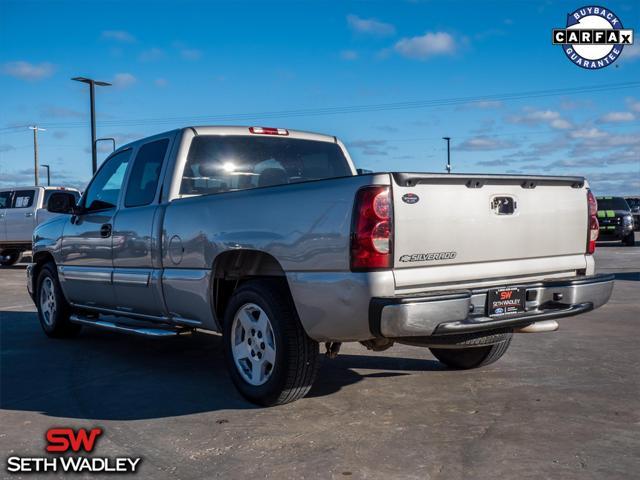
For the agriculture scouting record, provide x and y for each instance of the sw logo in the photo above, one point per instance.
(68, 440)
(65, 439)
(506, 295)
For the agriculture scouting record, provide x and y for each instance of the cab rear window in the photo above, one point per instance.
(217, 164)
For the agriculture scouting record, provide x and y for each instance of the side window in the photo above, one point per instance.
(5, 199)
(23, 198)
(105, 188)
(145, 173)
(48, 193)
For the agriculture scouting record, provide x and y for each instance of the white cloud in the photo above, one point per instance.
(484, 143)
(349, 55)
(535, 117)
(486, 104)
(631, 52)
(588, 133)
(28, 71)
(190, 54)
(123, 80)
(161, 82)
(151, 55)
(370, 26)
(427, 45)
(118, 36)
(618, 117)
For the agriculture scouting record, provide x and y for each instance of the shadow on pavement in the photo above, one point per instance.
(630, 276)
(110, 376)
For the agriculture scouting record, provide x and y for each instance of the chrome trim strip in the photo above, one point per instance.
(86, 274)
(131, 278)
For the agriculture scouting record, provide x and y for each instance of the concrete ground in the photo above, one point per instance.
(558, 405)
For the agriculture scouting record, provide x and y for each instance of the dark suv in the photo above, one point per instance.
(615, 219)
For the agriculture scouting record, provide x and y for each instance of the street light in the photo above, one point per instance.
(448, 139)
(48, 174)
(92, 87)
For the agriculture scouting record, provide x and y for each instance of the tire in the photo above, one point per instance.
(473, 357)
(629, 240)
(10, 257)
(53, 309)
(270, 358)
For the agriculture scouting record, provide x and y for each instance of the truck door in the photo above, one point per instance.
(137, 233)
(20, 219)
(87, 262)
(5, 203)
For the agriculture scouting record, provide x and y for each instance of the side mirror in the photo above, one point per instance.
(61, 202)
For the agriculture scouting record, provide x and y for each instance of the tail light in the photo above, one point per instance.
(594, 226)
(371, 231)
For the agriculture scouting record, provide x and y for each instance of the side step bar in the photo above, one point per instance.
(146, 331)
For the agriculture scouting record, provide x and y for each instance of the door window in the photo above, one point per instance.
(23, 198)
(145, 173)
(5, 199)
(104, 191)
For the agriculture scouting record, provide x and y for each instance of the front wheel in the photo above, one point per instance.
(473, 357)
(270, 358)
(53, 309)
(10, 257)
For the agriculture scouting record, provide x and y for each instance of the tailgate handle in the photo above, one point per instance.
(503, 205)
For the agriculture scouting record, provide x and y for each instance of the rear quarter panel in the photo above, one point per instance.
(305, 227)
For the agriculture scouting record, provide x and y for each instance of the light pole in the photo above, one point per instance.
(48, 174)
(448, 139)
(92, 94)
(35, 129)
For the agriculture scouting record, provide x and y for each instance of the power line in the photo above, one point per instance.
(339, 110)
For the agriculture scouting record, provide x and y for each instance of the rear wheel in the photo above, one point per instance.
(10, 257)
(270, 358)
(473, 357)
(53, 309)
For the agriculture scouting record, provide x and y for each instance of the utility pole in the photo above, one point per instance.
(92, 101)
(448, 139)
(35, 129)
(48, 174)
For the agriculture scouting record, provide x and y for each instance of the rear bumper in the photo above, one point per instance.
(464, 311)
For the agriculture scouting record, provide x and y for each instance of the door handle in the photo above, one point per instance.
(28, 214)
(105, 230)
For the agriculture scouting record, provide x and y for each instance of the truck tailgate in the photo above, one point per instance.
(486, 226)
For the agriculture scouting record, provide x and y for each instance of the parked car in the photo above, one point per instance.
(272, 238)
(21, 209)
(634, 205)
(616, 220)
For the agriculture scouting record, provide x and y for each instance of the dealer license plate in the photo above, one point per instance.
(505, 301)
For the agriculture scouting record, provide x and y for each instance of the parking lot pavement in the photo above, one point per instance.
(558, 405)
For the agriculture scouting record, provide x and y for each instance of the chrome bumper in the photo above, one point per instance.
(464, 311)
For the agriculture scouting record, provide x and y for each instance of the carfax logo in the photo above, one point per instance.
(593, 38)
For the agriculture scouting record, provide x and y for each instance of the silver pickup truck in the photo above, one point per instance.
(271, 237)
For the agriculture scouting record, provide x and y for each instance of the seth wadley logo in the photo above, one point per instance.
(593, 37)
(66, 440)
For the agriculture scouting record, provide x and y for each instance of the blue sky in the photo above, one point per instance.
(179, 63)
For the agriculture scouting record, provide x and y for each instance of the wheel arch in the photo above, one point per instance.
(234, 267)
(39, 260)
